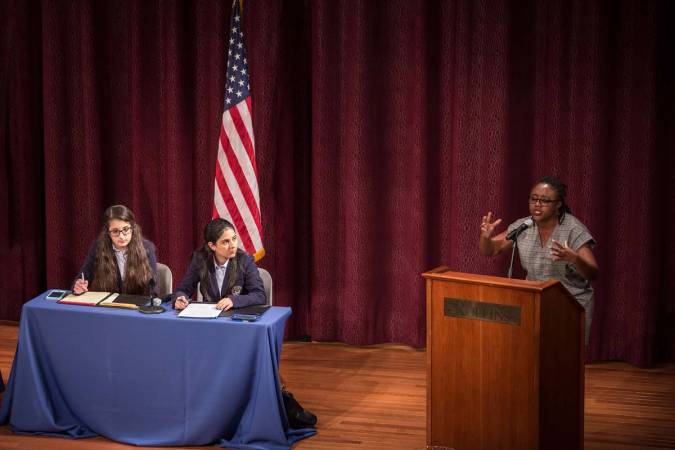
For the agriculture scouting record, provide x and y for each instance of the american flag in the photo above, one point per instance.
(235, 195)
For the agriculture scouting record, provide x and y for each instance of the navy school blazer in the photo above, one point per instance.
(248, 279)
(88, 266)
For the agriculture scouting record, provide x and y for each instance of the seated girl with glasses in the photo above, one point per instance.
(225, 274)
(556, 244)
(119, 260)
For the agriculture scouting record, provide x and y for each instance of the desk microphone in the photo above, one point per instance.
(152, 308)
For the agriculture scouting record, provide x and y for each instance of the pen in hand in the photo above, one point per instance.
(80, 285)
(181, 302)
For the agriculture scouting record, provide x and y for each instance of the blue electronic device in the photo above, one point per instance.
(57, 294)
(245, 317)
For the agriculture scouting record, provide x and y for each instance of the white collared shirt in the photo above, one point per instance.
(121, 257)
(220, 273)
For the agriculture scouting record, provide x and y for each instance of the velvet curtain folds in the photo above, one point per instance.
(384, 131)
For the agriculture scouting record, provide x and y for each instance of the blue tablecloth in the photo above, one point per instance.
(156, 380)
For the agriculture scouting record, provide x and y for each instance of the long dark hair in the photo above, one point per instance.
(561, 189)
(137, 272)
(212, 232)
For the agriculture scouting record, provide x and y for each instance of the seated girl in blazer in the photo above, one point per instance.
(226, 274)
(119, 260)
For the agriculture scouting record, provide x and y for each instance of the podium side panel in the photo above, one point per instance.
(562, 372)
(430, 350)
(483, 375)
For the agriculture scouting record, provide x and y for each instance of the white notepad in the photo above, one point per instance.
(200, 310)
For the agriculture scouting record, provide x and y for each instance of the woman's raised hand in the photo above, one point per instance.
(560, 250)
(487, 227)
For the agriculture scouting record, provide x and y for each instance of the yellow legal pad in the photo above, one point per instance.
(108, 299)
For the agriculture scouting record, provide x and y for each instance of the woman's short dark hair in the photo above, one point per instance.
(561, 189)
(214, 229)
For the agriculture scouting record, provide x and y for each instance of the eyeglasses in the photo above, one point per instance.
(541, 200)
(123, 231)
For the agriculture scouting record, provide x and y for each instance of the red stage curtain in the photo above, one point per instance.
(384, 130)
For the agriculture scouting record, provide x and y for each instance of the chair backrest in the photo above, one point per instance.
(164, 280)
(267, 284)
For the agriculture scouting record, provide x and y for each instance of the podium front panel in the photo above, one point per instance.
(482, 391)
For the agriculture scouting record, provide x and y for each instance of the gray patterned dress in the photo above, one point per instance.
(541, 266)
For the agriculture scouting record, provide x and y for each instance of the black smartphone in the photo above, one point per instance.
(245, 317)
(56, 294)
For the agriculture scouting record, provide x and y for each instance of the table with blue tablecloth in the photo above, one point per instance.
(153, 380)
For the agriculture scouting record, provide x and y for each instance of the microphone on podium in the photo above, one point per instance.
(155, 306)
(513, 236)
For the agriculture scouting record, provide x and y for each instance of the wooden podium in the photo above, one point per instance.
(505, 364)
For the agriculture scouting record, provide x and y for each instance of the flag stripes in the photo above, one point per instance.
(235, 188)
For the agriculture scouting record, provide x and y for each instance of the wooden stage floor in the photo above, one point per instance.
(374, 398)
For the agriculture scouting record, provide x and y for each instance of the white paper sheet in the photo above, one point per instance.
(200, 310)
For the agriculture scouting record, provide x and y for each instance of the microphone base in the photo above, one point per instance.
(151, 309)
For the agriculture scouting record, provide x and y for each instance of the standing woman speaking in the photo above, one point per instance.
(557, 246)
(119, 260)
